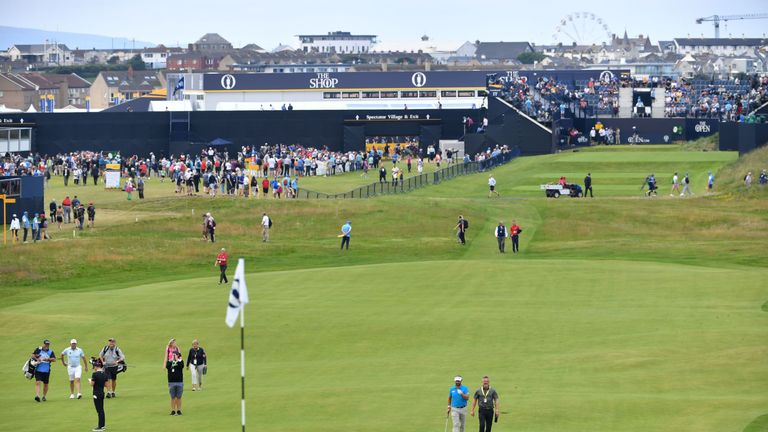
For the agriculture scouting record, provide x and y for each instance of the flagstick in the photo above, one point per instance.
(242, 362)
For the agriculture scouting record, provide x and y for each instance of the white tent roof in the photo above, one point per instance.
(31, 108)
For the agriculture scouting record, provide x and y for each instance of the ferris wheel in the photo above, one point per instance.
(583, 28)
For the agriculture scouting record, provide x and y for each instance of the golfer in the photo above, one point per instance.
(457, 404)
(488, 400)
(221, 261)
(514, 234)
(492, 186)
(588, 186)
(501, 235)
(265, 224)
(74, 356)
(346, 229)
(98, 381)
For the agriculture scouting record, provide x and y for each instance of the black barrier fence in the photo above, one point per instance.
(416, 182)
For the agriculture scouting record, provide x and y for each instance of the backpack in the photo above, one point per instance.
(29, 368)
(466, 224)
(270, 222)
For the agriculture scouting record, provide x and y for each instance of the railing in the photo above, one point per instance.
(417, 182)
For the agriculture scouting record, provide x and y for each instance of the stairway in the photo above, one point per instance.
(625, 102)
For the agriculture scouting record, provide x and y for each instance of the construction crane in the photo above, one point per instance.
(717, 18)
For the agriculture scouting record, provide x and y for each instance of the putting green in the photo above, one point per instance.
(571, 345)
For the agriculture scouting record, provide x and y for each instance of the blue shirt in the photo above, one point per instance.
(457, 401)
(44, 366)
(346, 228)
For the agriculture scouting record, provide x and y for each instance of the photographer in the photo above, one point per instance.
(97, 381)
(111, 357)
(175, 369)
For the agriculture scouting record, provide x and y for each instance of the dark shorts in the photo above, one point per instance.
(42, 376)
(111, 372)
(176, 389)
(491, 188)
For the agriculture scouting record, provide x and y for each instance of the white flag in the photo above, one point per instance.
(238, 295)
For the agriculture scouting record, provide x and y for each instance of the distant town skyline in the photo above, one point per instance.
(399, 24)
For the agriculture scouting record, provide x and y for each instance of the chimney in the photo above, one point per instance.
(130, 73)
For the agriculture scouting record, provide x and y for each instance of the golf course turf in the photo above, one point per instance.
(621, 313)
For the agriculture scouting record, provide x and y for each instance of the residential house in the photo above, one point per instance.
(21, 90)
(211, 42)
(43, 54)
(157, 57)
(113, 87)
(740, 47)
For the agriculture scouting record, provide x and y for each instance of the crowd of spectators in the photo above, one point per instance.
(726, 100)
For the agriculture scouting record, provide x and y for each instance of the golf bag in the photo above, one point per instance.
(29, 368)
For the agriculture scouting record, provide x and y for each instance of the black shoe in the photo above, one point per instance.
(44, 399)
(37, 398)
(108, 396)
(173, 413)
(178, 412)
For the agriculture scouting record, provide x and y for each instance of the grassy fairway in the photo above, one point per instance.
(621, 313)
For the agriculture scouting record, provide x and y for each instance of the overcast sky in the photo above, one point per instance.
(398, 23)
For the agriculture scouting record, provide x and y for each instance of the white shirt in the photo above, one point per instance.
(674, 179)
(73, 356)
(15, 224)
(491, 181)
(265, 221)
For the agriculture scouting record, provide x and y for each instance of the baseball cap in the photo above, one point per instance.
(458, 378)
(73, 341)
(111, 339)
(46, 342)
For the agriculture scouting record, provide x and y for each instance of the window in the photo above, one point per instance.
(388, 94)
(448, 93)
(331, 95)
(370, 95)
(350, 95)
(466, 93)
(427, 94)
(409, 94)
(10, 187)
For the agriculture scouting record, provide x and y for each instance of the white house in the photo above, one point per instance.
(338, 42)
(722, 47)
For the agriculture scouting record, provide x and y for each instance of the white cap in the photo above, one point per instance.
(73, 341)
(458, 378)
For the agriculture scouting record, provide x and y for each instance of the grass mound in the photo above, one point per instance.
(708, 143)
(731, 177)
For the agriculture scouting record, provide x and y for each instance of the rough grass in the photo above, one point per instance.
(730, 179)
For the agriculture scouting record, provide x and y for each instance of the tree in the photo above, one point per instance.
(113, 60)
(137, 63)
(529, 57)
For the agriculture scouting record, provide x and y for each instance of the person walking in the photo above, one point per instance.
(458, 396)
(492, 186)
(211, 225)
(74, 356)
(461, 229)
(59, 217)
(80, 213)
(44, 356)
(514, 234)
(170, 351)
(675, 185)
(129, 192)
(140, 187)
(98, 381)
(197, 362)
(175, 368)
(26, 224)
(488, 401)
(91, 214)
(15, 226)
(710, 182)
(346, 229)
(266, 223)
(747, 183)
(588, 185)
(686, 186)
(501, 235)
(111, 356)
(67, 205)
(221, 261)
